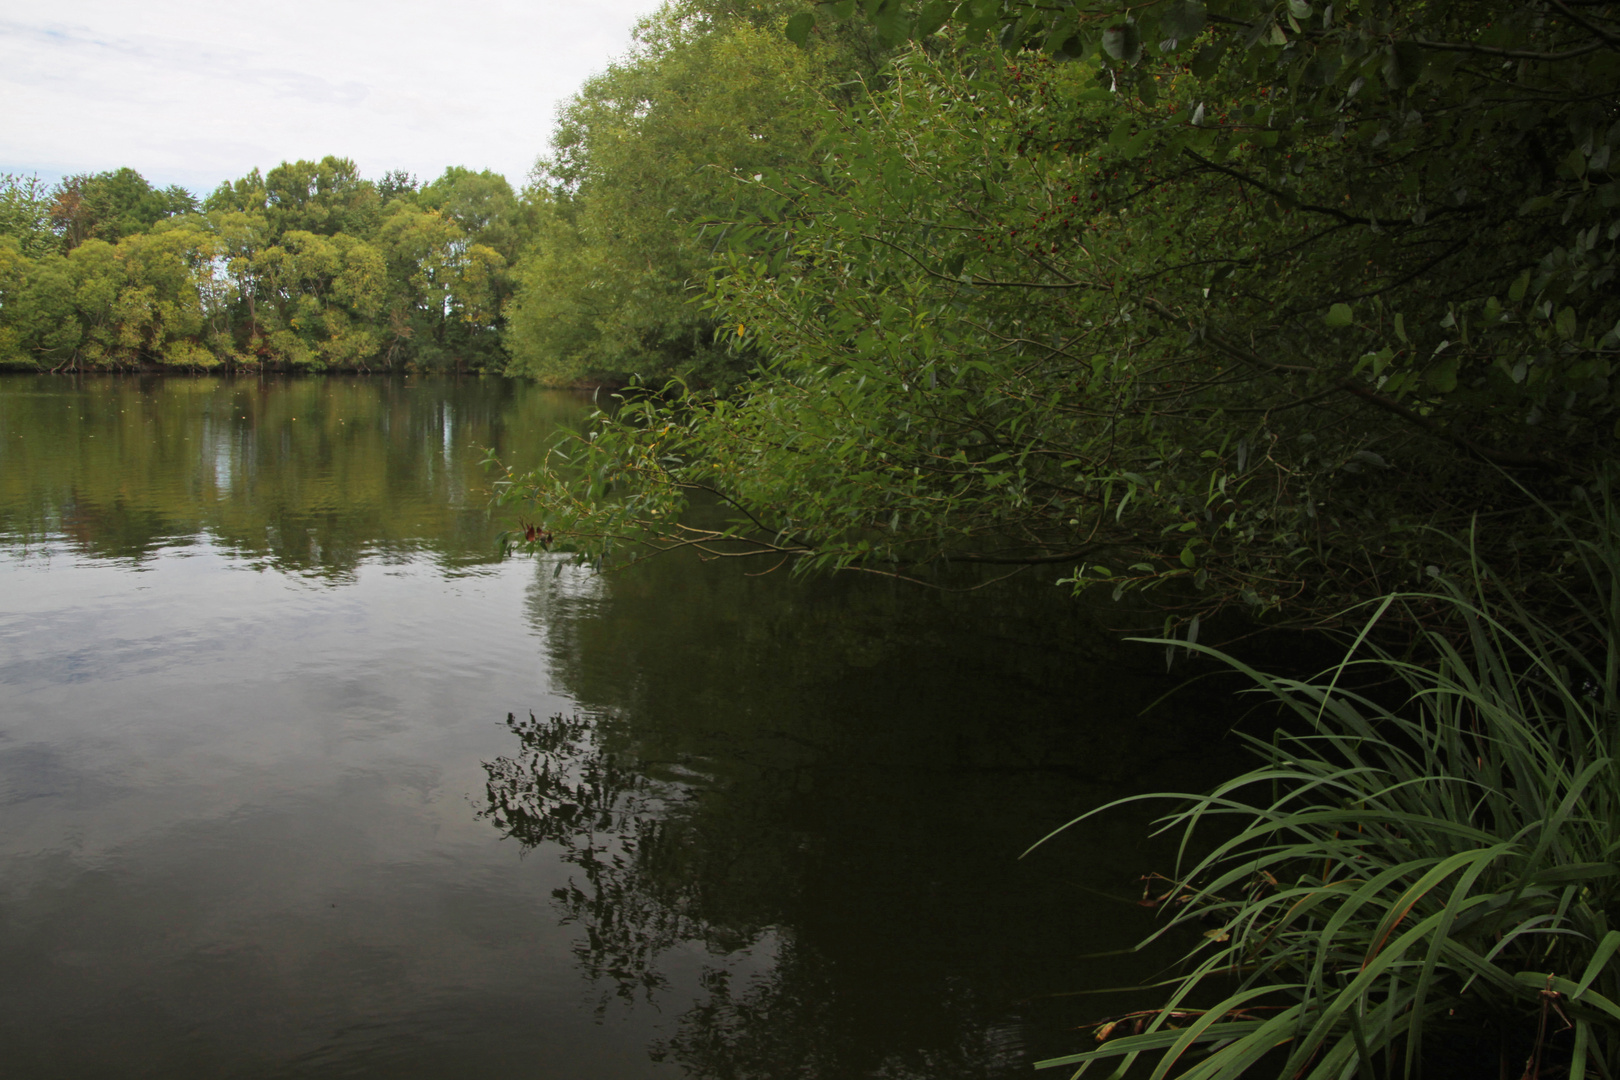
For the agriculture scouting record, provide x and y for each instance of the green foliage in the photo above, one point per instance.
(160, 308)
(304, 268)
(111, 205)
(649, 166)
(151, 296)
(25, 213)
(1398, 881)
(1254, 312)
(323, 197)
(397, 184)
(445, 289)
(483, 206)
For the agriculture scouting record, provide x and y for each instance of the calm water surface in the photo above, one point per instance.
(298, 779)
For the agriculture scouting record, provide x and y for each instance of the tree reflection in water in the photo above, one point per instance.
(607, 820)
(817, 791)
(637, 844)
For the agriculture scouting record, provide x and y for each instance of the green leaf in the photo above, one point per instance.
(1403, 64)
(1442, 378)
(799, 27)
(1520, 287)
(1299, 9)
(1400, 328)
(982, 14)
(1067, 46)
(935, 14)
(1379, 360)
(1323, 67)
(1123, 42)
(1208, 61)
(891, 25)
(1182, 20)
(1339, 315)
(1550, 981)
(1566, 324)
(1606, 949)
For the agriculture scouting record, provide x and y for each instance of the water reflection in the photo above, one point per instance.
(307, 475)
(823, 788)
(604, 819)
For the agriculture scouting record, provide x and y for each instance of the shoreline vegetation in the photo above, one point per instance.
(1420, 875)
(1234, 307)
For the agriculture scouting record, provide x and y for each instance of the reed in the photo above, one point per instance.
(1392, 875)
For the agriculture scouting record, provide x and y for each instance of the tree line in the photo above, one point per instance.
(305, 267)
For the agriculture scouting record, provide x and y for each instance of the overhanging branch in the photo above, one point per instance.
(1505, 459)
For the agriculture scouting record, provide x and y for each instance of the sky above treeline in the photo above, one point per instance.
(193, 92)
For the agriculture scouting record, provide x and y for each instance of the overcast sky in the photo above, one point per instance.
(193, 92)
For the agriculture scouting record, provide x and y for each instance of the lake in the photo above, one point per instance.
(298, 777)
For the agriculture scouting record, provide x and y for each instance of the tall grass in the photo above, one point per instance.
(1409, 872)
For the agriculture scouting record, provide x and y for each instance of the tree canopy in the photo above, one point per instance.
(112, 205)
(645, 170)
(1259, 301)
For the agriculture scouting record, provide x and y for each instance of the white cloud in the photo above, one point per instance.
(194, 92)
